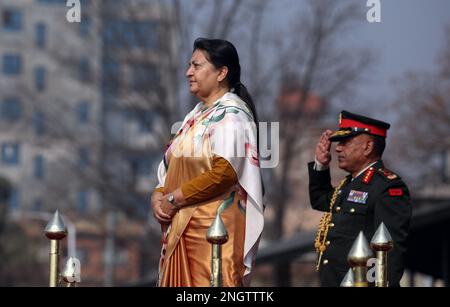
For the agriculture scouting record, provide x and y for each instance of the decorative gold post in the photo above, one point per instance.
(349, 280)
(381, 243)
(71, 273)
(357, 259)
(217, 235)
(55, 231)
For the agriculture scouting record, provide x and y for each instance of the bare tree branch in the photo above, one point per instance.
(229, 17)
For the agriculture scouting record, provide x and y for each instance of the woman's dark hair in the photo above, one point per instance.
(222, 53)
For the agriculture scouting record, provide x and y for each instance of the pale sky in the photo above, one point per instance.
(408, 38)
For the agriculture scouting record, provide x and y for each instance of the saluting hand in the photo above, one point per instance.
(323, 154)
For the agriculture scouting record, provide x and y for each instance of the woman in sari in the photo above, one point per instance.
(211, 167)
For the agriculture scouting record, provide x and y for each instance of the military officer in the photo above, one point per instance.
(369, 195)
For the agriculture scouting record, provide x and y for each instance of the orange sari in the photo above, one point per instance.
(186, 254)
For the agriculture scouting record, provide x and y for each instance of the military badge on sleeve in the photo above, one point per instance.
(395, 192)
(358, 197)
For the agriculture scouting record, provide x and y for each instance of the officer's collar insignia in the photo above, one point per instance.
(368, 175)
(358, 197)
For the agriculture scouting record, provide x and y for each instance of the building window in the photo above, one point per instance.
(12, 20)
(40, 75)
(82, 201)
(85, 26)
(144, 166)
(39, 123)
(14, 199)
(122, 257)
(83, 155)
(39, 167)
(144, 77)
(83, 113)
(111, 75)
(12, 64)
(11, 109)
(131, 34)
(41, 35)
(145, 121)
(11, 154)
(84, 70)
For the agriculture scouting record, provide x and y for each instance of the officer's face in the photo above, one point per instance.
(353, 153)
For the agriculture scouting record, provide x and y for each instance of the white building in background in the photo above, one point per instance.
(44, 102)
(73, 95)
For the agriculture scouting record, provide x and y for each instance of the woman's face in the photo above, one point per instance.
(204, 78)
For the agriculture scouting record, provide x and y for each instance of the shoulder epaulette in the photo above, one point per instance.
(387, 174)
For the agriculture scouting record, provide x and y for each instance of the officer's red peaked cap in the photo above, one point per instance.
(351, 124)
